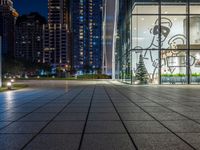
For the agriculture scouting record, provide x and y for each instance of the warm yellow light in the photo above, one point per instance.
(15, 14)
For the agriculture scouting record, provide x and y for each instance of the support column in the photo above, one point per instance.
(188, 73)
(114, 39)
(159, 44)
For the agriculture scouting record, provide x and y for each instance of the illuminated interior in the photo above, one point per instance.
(167, 35)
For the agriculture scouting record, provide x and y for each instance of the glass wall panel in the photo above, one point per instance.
(128, 72)
(173, 67)
(195, 66)
(172, 9)
(195, 32)
(128, 33)
(173, 2)
(145, 9)
(173, 6)
(194, 6)
(123, 70)
(173, 32)
(144, 31)
(146, 1)
(150, 60)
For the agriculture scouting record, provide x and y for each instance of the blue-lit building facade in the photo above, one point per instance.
(166, 33)
(87, 35)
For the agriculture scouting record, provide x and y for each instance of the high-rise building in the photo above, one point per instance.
(8, 17)
(87, 35)
(29, 38)
(57, 34)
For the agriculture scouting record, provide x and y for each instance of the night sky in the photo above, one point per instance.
(27, 6)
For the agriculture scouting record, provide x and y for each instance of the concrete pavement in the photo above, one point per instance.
(100, 115)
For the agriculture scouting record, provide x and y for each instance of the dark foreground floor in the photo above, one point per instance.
(100, 115)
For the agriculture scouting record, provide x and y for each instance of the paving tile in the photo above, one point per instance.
(13, 141)
(104, 127)
(55, 104)
(33, 104)
(135, 116)
(10, 116)
(145, 127)
(22, 109)
(109, 104)
(23, 127)
(64, 127)
(181, 109)
(168, 116)
(156, 109)
(107, 142)
(4, 123)
(79, 105)
(101, 101)
(102, 109)
(76, 110)
(4, 110)
(159, 142)
(192, 115)
(148, 104)
(129, 109)
(71, 117)
(49, 109)
(120, 100)
(103, 116)
(182, 126)
(124, 104)
(192, 138)
(38, 117)
(139, 100)
(55, 142)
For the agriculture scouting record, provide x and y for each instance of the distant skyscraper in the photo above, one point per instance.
(87, 35)
(57, 34)
(7, 24)
(29, 38)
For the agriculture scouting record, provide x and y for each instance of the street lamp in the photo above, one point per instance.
(9, 85)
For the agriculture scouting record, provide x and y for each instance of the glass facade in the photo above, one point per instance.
(166, 33)
(87, 35)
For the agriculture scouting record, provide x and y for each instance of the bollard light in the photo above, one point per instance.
(12, 80)
(9, 85)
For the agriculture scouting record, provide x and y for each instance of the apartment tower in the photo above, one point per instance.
(56, 34)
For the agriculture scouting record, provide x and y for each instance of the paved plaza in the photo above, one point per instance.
(100, 115)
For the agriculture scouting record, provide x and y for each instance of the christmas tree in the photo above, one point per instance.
(141, 72)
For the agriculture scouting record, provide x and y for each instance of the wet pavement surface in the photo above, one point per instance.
(100, 115)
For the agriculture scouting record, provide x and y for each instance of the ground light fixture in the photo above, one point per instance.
(12, 80)
(9, 85)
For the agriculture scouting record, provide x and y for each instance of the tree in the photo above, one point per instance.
(141, 72)
(11, 66)
(87, 68)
